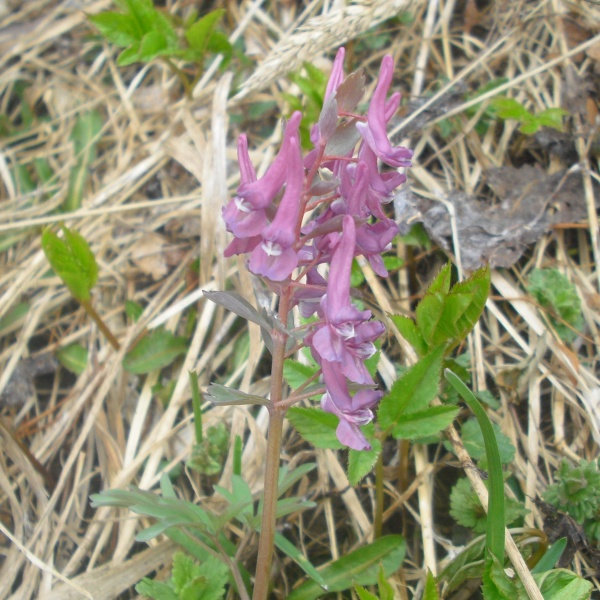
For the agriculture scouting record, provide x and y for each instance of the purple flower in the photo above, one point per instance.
(372, 240)
(275, 257)
(353, 411)
(262, 192)
(374, 131)
(345, 336)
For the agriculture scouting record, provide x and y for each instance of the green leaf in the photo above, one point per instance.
(158, 590)
(364, 594)
(153, 44)
(386, 591)
(555, 293)
(561, 584)
(497, 585)
(294, 553)
(408, 328)
(551, 556)
(133, 310)
(552, 117)
(429, 310)
(118, 28)
(361, 462)
(129, 55)
(495, 526)
(412, 392)
(296, 373)
(467, 511)
(14, 316)
(73, 357)
(85, 140)
(358, 567)
(72, 260)
(430, 592)
(199, 34)
(423, 423)
(315, 426)
(509, 108)
(155, 350)
(472, 438)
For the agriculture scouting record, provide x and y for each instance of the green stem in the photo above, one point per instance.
(87, 305)
(378, 521)
(277, 410)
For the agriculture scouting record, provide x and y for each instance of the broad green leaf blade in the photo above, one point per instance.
(315, 426)
(359, 567)
(73, 357)
(495, 523)
(72, 260)
(292, 551)
(496, 583)
(551, 556)
(561, 584)
(361, 462)
(118, 28)
(364, 594)
(385, 589)
(157, 590)
(425, 422)
(198, 34)
(155, 350)
(429, 310)
(413, 392)
(153, 44)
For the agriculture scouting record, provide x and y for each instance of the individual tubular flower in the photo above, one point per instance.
(352, 411)
(374, 131)
(345, 336)
(275, 257)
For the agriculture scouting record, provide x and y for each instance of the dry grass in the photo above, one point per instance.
(164, 167)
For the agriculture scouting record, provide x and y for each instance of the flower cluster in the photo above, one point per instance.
(324, 209)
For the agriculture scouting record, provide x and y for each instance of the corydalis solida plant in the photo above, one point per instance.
(324, 209)
(307, 213)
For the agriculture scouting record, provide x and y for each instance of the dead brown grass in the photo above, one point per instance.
(164, 167)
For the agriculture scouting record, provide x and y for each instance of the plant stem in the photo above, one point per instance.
(101, 324)
(277, 412)
(378, 521)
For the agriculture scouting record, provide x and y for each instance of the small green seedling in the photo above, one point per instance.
(509, 108)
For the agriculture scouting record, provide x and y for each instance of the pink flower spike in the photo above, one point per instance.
(260, 193)
(337, 73)
(374, 131)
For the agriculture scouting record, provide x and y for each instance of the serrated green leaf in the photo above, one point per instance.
(74, 358)
(429, 310)
(72, 260)
(155, 350)
(408, 328)
(412, 392)
(497, 585)
(358, 567)
(296, 373)
(364, 594)
(361, 462)
(315, 426)
(430, 592)
(423, 423)
(472, 439)
(158, 590)
(385, 589)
